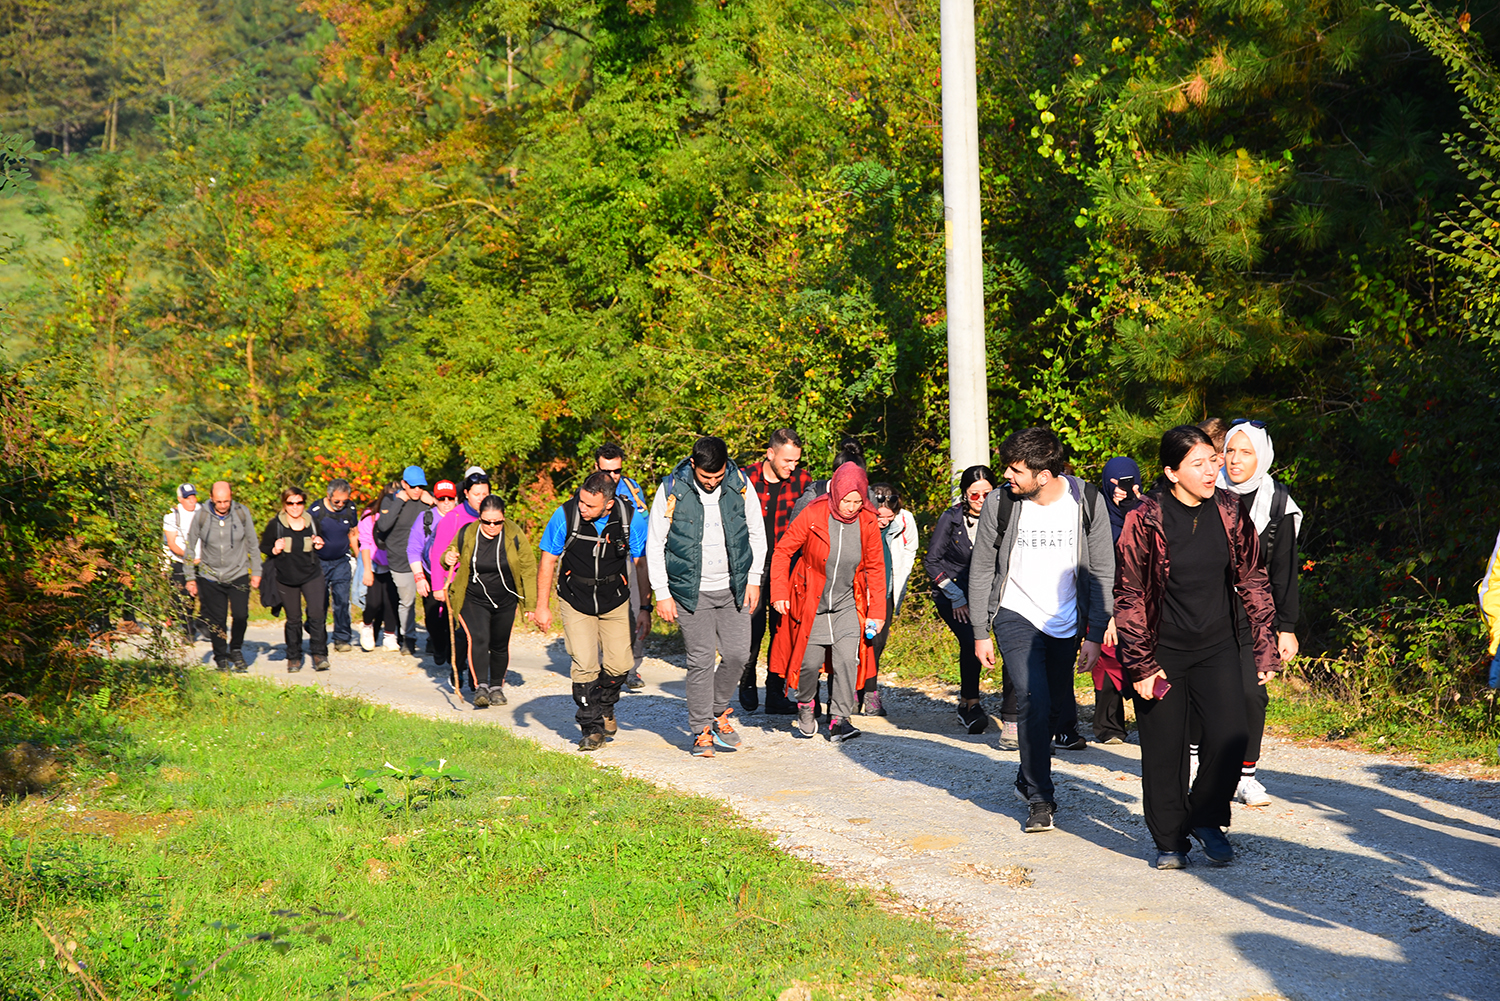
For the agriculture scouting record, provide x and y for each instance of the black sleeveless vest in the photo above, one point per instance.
(594, 565)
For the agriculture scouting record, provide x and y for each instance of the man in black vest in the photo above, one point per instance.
(590, 543)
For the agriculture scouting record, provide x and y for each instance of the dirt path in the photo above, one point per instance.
(1364, 879)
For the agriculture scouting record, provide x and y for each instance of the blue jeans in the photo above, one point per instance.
(1040, 669)
(336, 573)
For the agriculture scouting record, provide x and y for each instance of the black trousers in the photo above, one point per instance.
(1109, 712)
(1207, 688)
(1257, 698)
(313, 591)
(382, 603)
(487, 630)
(435, 618)
(189, 622)
(225, 605)
(969, 668)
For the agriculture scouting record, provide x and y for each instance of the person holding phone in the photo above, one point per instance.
(1184, 556)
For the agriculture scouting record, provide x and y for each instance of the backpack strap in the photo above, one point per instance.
(1090, 495)
(1007, 505)
(1279, 497)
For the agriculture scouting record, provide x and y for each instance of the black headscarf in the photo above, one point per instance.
(1115, 469)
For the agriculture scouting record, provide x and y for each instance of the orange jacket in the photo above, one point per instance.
(803, 587)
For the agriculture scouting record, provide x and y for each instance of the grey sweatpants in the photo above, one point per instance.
(843, 670)
(406, 592)
(715, 633)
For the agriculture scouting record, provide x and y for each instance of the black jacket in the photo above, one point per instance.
(949, 552)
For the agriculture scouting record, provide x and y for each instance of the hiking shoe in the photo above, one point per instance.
(610, 726)
(238, 660)
(497, 696)
(293, 666)
(411, 647)
(1010, 736)
(1113, 740)
(367, 638)
(807, 720)
(482, 698)
(724, 734)
(749, 698)
(390, 644)
(1069, 742)
(633, 681)
(1171, 860)
(1040, 817)
(974, 718)
(320, 663)
(1251, 792)
(221, 664)
(1215, 845)
(840, 729)
(342, 647)
(703, 744)
(591, 742)
(872, 704)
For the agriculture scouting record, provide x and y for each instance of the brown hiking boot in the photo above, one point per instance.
(591, 742)
(610, 726)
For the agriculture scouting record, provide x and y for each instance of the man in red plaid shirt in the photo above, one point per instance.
(779, 483)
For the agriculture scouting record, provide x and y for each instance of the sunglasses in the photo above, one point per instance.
(296, 503)
(486, 521)
(1245, 420)
(979, 496)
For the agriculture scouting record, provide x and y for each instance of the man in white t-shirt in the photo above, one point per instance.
(1043, 572)
(174, 533)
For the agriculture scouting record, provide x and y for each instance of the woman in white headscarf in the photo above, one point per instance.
(1248, 457)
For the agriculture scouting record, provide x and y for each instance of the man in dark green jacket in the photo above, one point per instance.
(706, 559)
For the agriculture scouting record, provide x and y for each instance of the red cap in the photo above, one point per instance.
(444, 488)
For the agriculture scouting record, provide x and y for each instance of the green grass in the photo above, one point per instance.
(196, 821)
(1311, 715)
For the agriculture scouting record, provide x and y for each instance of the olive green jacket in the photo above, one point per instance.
(519, 554)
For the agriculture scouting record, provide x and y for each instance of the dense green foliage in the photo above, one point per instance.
(501, 233)
(540, 876)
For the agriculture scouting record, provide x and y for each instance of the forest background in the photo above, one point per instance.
(274, 243)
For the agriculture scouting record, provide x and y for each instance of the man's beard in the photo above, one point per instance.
(1031, 495)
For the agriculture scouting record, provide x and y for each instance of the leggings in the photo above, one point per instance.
(381, 604)
(487, 628)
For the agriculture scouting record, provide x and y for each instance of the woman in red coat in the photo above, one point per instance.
(834, 599)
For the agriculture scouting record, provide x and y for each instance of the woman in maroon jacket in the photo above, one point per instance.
(1186, 556)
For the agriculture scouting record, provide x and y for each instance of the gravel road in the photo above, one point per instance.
(1366, 878)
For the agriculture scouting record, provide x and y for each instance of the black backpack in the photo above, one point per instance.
(1279, 500)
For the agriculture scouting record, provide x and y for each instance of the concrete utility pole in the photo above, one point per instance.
(968, 396)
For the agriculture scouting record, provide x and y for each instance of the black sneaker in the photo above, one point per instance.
(591, 742)
(1171, 860)
(238, 660)
(840, 730)
(974, 718)
(1215, 845)
(482, 697)
(320, 663)
(222, 664)
(1069, 742)
(497, 696)
(1040, 817)
(749, 698)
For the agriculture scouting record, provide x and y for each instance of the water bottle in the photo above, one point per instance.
(871, 629)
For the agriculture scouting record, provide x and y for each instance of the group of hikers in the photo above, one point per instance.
(1181, 597)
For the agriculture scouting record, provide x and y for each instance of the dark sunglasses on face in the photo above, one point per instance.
(295, 503)
(1245, 420)
(486, 521)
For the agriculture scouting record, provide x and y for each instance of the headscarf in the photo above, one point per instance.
(849, 478)
(1261, 484)
(1117, 469)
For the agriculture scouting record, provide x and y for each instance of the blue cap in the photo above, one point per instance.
(414, 476)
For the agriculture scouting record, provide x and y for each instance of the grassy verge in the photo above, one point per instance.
(194, 824)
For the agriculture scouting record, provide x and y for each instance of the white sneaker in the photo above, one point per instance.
(367, 638)
(390, 644)
(1251, 792)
